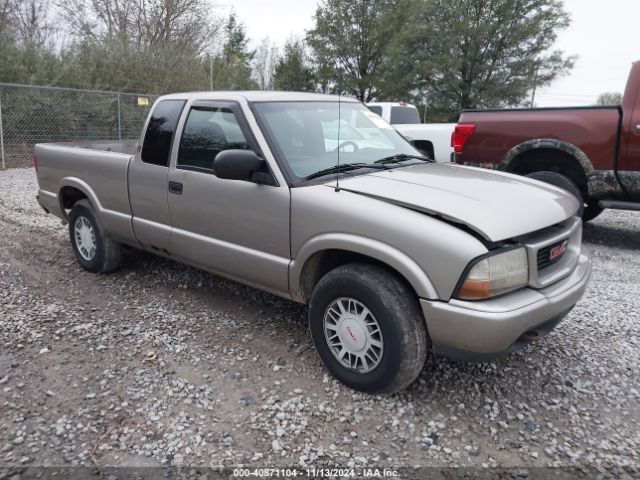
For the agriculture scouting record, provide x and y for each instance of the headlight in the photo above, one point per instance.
(495, 274)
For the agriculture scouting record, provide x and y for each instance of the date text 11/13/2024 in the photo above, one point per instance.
(312, 472)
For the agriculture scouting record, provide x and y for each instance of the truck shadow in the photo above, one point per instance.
(256, 311)
(289, 342)
(615, 237)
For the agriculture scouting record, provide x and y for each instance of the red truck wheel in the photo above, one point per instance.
(558, 180)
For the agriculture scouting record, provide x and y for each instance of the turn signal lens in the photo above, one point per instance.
(495, 275)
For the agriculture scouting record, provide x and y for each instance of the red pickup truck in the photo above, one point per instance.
(593, 152)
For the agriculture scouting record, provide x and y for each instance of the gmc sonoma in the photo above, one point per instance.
(394, 254)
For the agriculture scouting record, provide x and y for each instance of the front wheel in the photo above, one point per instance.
(368, 328)
(94, 250)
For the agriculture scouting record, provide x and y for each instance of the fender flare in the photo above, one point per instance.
(553, 144)
(84, 188)
(379, 251)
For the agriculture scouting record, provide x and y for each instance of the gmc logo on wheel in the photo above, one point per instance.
(558, 250)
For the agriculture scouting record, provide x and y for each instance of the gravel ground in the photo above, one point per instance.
(160, 364)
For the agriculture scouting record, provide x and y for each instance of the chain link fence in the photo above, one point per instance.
(32, 114)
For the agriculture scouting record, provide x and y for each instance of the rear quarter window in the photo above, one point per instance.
(376, 109)
(158, 138)
(404, 115)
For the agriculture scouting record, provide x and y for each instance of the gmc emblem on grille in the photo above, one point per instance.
(558, 250)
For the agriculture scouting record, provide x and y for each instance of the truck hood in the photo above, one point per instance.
(496, 205)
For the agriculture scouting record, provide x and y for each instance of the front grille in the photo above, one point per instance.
(544, 254)
(553, 252)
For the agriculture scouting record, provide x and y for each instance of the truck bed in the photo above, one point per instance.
(130, 147)
(100, 165)
(592, 129)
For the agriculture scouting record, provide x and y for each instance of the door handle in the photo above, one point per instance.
(175, 187)
(637, 127)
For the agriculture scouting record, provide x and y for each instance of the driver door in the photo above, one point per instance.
(235, 228)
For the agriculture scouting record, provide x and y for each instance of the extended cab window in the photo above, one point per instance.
(209, 131)
(159, 135)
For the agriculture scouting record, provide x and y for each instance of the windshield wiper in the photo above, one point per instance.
(345, 167)
(403, 157)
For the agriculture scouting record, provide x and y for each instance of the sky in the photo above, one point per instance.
(603, 36)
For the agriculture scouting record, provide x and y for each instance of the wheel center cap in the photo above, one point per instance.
(352, 334)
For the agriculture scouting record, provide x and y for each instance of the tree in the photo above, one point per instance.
(354, 36)
(609, 98)
(152, 46)
(478, 53)
(183, 23)
(232, 67)
(264, 63)
(32, 23)
(27, 53)
(293, 72)
(6, 9)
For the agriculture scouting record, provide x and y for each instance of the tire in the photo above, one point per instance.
(591, 210)
(395, 311)
(559, 180)
(93, 249)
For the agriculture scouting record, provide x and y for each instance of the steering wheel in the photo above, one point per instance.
(346, 144)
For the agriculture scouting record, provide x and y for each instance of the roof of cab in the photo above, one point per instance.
(259, 96)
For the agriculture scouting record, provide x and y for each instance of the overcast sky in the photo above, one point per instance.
(603, 34)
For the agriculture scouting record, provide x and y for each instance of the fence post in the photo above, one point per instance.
(119, 121)
(1, 133)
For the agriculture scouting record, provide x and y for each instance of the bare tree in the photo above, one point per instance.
(142, 45)
(264, 63)
(147, 23)
(28, 22)
(6, 11)
(33, 22)
(609, 98)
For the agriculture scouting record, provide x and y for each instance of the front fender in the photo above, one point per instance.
(380, 251)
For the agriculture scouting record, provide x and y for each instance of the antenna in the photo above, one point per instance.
(339, 122)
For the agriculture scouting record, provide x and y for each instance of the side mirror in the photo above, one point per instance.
(243, 165)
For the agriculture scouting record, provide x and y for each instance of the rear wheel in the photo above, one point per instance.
(368, 328)
(559, 180)
(94, 250)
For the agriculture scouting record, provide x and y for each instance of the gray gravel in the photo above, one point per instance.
(161, 364)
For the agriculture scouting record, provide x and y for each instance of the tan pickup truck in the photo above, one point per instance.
(395, 254)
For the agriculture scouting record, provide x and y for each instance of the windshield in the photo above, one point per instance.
(309, 135)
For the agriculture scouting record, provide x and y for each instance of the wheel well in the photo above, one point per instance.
(321, 263)
(553, 160)
(69, 196)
